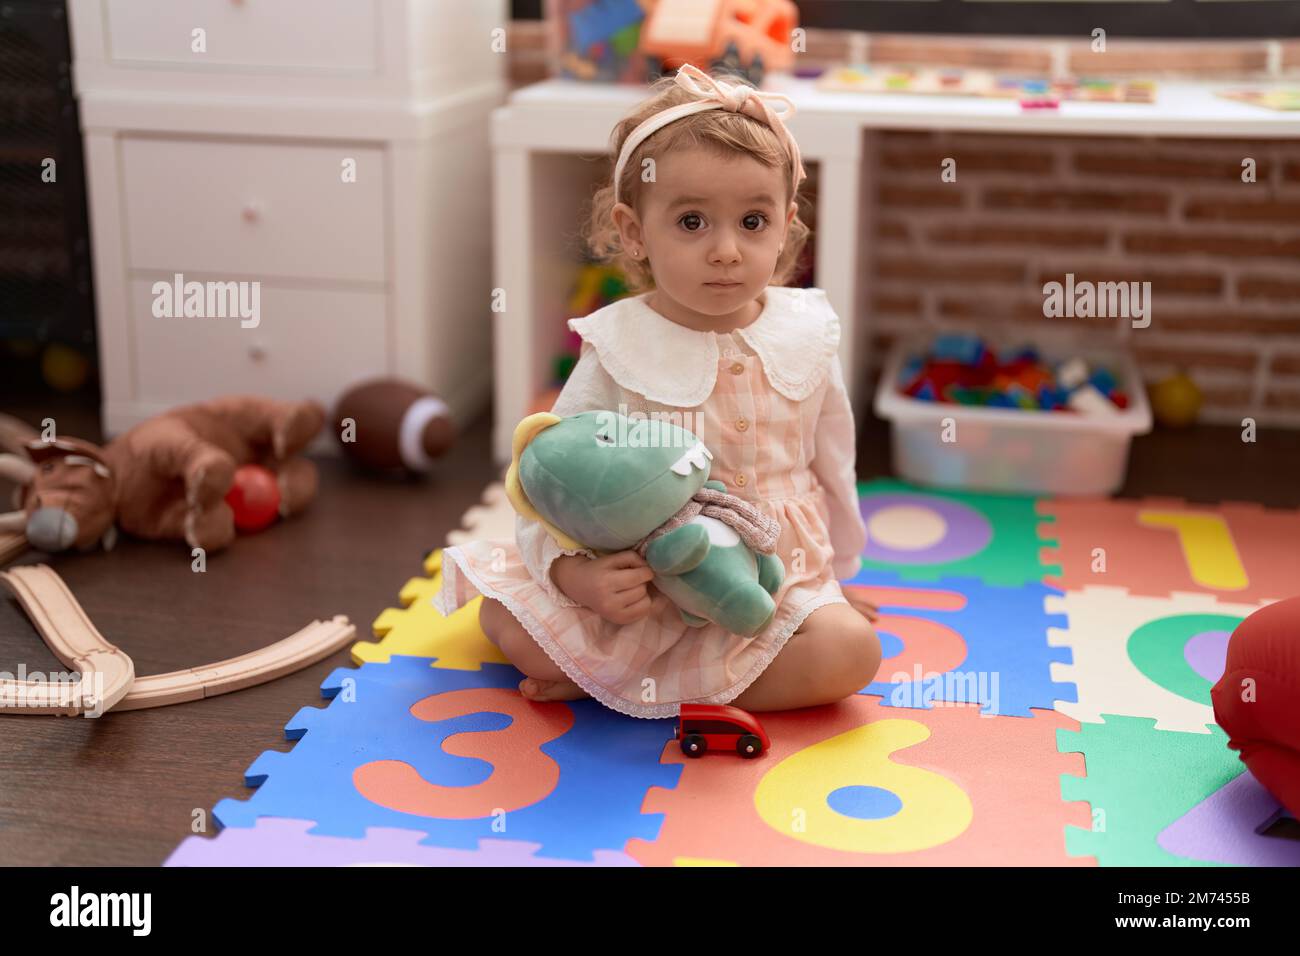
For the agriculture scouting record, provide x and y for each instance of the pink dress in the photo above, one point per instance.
(773, 410)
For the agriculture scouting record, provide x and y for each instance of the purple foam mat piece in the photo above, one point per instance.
(968, 531)
(1207, 653)
(1222, 828)
(275, 841)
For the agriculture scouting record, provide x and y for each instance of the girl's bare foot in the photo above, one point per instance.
(542, 690)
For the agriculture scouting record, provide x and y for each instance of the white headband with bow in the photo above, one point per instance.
(717, 95)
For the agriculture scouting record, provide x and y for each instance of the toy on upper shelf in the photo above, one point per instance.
(1281, 98)
(1039, 101)
(597, 285)
(748, 37)
(631, 41)
(1032, 92)
(597, 39)
(964, 370)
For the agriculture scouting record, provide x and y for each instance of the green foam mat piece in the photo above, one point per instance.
(1139, 780)
(1010, 559)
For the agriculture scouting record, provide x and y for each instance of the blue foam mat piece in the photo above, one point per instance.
(1007, 668)
(608, 762)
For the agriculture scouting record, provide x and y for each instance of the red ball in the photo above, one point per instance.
(254, 497)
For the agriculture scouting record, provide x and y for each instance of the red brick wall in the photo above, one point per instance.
(1222, 256)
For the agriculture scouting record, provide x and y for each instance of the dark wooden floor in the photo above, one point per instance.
(125, 789)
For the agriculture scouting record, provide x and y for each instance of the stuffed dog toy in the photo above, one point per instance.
(164, 479)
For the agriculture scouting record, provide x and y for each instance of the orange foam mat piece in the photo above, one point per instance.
(1158, 546)
(857, 784)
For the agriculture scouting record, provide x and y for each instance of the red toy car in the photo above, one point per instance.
(705, 727)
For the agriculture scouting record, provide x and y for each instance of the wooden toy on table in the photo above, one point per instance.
(1039, 103)
(1284, 98)
(953, 81)
(1035, 96)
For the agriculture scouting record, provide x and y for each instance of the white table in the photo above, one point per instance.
(550, 139)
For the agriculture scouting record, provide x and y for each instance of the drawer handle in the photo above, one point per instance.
(252, 212)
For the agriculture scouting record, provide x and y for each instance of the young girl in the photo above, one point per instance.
(702, 212)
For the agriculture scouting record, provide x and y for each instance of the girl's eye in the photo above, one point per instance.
(754, 216)
(689, 218)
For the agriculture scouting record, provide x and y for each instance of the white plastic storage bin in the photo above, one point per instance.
(1014, 450)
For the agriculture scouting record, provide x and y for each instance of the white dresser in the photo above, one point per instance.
(334, 152)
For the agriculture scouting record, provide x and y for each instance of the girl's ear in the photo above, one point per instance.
(628, 224)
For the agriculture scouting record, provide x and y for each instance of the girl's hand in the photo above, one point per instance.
(614, 586)
(858, 601)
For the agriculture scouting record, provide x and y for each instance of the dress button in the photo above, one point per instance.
(740, 480)
(737, 368)
(741, 424)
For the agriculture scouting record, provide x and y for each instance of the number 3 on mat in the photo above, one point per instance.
(526, 778)
(846, 794)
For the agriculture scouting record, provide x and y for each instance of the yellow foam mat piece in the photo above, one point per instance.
(416, 629)
(700, 861)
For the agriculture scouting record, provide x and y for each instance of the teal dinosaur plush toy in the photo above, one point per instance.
(606, 482)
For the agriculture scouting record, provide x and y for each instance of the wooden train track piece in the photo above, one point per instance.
(107, 674)
(316, 641)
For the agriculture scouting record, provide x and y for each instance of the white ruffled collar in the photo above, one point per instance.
(795, 336)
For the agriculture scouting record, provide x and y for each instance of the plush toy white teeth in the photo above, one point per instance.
(697, 456)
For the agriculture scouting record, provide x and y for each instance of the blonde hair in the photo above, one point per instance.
(719, 131)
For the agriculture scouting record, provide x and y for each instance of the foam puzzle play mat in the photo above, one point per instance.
(1044, 700)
